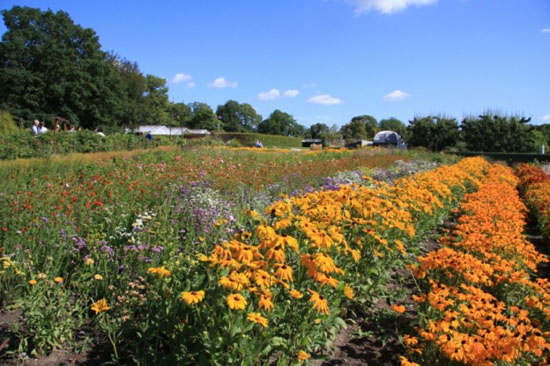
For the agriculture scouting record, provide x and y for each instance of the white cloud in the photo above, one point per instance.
(387, 6)
(181, 78)
(269, 95)
(545, 30)
(291, 93)
(396, 95)
(221, 83)
(546, 117)
(324, 99)
(191, 84)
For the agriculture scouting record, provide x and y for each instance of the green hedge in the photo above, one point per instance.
(22, 144)
(248, 139)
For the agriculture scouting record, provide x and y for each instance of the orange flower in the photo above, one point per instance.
(399, 309)
(296, 294)
(265, 302)
(159, 271)
(302, 356)
(32, 282)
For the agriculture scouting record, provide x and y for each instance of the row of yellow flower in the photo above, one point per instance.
(480, 306)
(320, 244)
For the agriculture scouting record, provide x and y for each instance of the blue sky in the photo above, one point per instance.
(329, 60)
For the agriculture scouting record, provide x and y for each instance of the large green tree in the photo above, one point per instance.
(355, 129)
(155, 101)
(497, 133)
(238, 117)
(50, 66)
(371, 124)
(203, 117)
(318, 131)
(433, 132)
(393, 124)
(281, 123)
(180, 115)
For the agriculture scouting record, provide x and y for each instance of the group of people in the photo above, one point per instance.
(39, 128)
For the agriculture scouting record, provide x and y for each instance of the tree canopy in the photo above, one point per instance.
(238, 117)
(50, 67)
(433, 132)
(281, 123)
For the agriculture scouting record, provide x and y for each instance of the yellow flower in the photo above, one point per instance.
(32, 282)
(100, 306)
(98, 277)
(193, 297)
(319, 302)
(236, 302)
(58, 279)
(257, 318)
(89, 261)
(159, 271)
(302, 356)
(296, 294)
(348, 292)
(265, 302)
(41, 276)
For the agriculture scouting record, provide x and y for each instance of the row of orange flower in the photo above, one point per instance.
(308, 255)
(535, 184)
(480, 305)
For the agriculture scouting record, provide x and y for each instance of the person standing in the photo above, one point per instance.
(42, 128)
(35, 129)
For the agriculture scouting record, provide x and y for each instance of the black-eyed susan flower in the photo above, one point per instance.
(296, 294)
(319, 302)
(257, 318)
(193, 297)
(265, 302)
(348, 292)
(236, 302)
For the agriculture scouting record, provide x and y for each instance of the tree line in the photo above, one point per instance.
(51, 67)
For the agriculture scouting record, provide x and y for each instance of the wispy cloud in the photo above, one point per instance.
(269, 95)
(396, 95)
(387, 6)
(183, 79)
(291, 93)
(545, 30)
(221, 83)
(325, 99)
(546, 117)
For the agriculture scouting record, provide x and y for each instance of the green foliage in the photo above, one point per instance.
(203, 117)
(53, 67)
(238, 117)
(393, 124)
(497, 133)
(370, 125)
(281, 123)
(355, 129)
(21, 144)
(180, 115)
(7, 125)
(433, 132)
(318, 131)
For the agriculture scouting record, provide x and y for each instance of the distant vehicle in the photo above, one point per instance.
(389, 138)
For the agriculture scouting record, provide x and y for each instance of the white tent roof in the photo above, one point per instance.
(169, 131)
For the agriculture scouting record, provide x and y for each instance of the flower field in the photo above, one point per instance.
(480, 304)
(254, 257)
